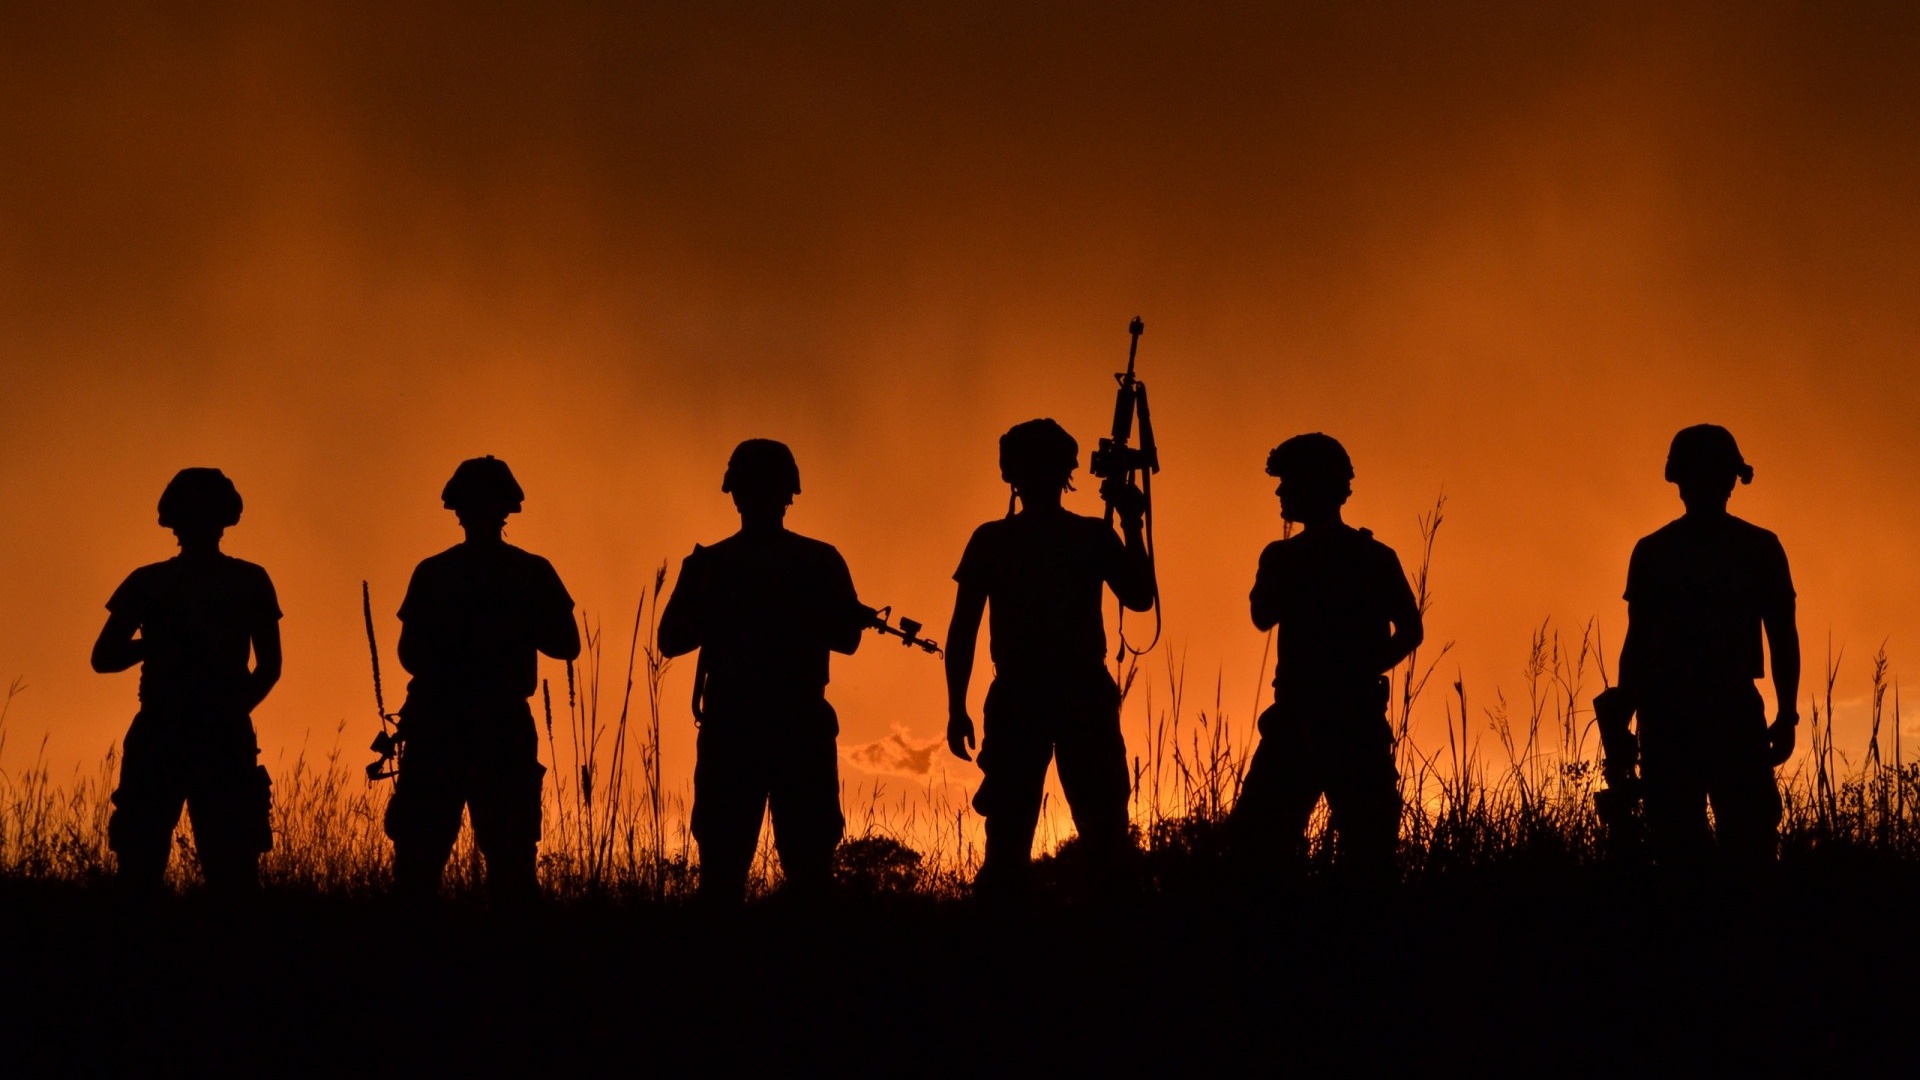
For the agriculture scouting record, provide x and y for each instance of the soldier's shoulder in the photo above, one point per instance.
(1092, 530)
(155, 570)
(527, 558)
(1753, 533)
(810, 544)
(1666, 536)
(438, 562)
(991, 531)
(1364, 538)
(815, 552)
(146, 578)
(248, 571)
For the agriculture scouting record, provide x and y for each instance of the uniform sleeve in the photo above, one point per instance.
(552, 593)
(266, 602)
(841, 598)
(417, 601)
(976, 567)
(1396, 590)
(1110, 553)
(1776, 580)
(130, 598)
(1636, 574)
(839, 581)
(1266, 574)
(1265, 597)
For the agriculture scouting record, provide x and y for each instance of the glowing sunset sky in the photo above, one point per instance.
(1502, 251)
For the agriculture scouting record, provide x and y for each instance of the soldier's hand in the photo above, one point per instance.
(960, 735)
(1127, 500)
(1780, 738)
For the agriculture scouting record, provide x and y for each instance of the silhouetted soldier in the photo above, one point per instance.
(765, 606)
(1044, 570)
(198, 616)
(1344, 617)
(473, 619)
(1699, 592)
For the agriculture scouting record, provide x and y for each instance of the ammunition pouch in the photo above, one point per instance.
(259, 810)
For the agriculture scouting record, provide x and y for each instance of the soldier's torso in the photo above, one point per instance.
(197, 619)
(771, 603)
(474, 613)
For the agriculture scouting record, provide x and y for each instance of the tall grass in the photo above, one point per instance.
(1509, 782)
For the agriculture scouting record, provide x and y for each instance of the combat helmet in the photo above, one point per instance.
(1706, 452)
(1315, 458)
(761, 467)
(482, 485)
(199, 497)
(1038, 449)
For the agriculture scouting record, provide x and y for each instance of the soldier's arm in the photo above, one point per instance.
(1130, 573)
(1134, 585)
(559, 636)
(117, 649)
(416, 637)
(853, 618)
(680, 629)
(1403, 614)
(1409, 630)
(1628, 676)
(1264, 600)
(963, 633)
(1783, 642)
(266, 662)
(1633, 647)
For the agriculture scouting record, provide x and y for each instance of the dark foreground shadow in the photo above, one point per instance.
(1571, 971)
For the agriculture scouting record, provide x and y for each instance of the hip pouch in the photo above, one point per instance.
(259, 809)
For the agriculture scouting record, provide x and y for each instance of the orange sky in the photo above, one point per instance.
(1500, 250)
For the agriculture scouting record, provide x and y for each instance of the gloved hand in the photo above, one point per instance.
(1613, 709)
(1127, 500)
(1780, 738)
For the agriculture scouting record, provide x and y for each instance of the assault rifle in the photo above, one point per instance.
(388, 743)
(908, 631)
(1117, 462)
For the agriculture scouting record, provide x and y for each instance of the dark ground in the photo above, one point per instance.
(1569, 972)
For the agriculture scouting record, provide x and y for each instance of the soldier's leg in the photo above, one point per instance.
(1741, 787)
(805, 799)
(729, 799)
(505, 807)
(423, 816)
(231, 807)
(1268, 823)
(1674, 786)
(1363, 797)
(1014, 751)
(146, 805)
(1091, 756)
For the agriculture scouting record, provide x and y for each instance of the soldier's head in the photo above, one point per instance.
(1705, 462)
(1038, 458)
(199, 504)
(482, 492)
(762, 477)
(1315, 474)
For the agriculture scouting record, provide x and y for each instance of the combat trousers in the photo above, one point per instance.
(1339, 748)
(486, 760)
(1073, 720)
(208, 762)
(1701, 747)
(757, 755)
